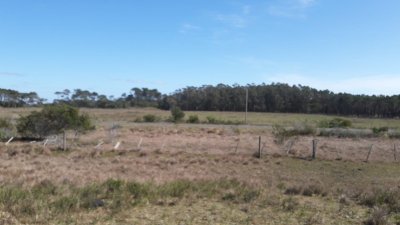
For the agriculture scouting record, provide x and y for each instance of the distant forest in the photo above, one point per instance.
(275, 97)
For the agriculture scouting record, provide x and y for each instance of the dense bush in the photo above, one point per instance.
(177, 114)
(52, 120)
(193, 119)
(149, 118)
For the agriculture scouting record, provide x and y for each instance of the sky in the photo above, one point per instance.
(111, 46)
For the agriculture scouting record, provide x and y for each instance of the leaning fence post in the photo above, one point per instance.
(314, 148)
(140, 143)
(9, 140)
(117, 145)
(64, 141)
(259, 147)
(369, 152)
(237, 146)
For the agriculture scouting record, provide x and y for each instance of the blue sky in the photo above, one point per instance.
(110, 46)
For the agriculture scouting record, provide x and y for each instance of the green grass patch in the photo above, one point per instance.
(113, 195)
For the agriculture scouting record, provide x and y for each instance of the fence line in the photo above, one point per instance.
(233, 144)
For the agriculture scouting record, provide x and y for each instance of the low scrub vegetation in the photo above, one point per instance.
(213, 120)
(335, 123)
(299, 129)
(52, 120)
(193, 119)
(307, 190)
(387, 198)
(345, 133)
(148, 118)
(6, 128)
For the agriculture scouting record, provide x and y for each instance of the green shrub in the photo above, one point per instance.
(379, 130)
(5, 123)
(299, 129)
(149, 118)
(211, 119)
(52, 120)
(193, 119)
(335, 123)
(177, 114)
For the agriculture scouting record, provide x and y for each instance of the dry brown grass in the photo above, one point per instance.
(327, 188)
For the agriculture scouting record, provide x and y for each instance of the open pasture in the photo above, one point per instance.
(129, 115)
(163, 173)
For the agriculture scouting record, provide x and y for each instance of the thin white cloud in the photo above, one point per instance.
(187, 27)
(239, 18)
(371, 84)
(8, 74)
(234, 20)
(290, 8)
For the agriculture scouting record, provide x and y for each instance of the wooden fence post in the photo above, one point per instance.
(9, 140)
(369, 152)
(314, 148)
(395, 152)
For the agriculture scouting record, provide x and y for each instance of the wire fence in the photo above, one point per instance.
(223, 141)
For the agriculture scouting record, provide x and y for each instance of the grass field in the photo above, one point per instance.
(165, 173)
(286, 119)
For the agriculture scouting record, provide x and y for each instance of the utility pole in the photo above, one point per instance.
(247, 99)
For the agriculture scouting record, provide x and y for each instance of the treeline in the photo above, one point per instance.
(275, 97)
(12, 98)
(138, 97)
(279, 97)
